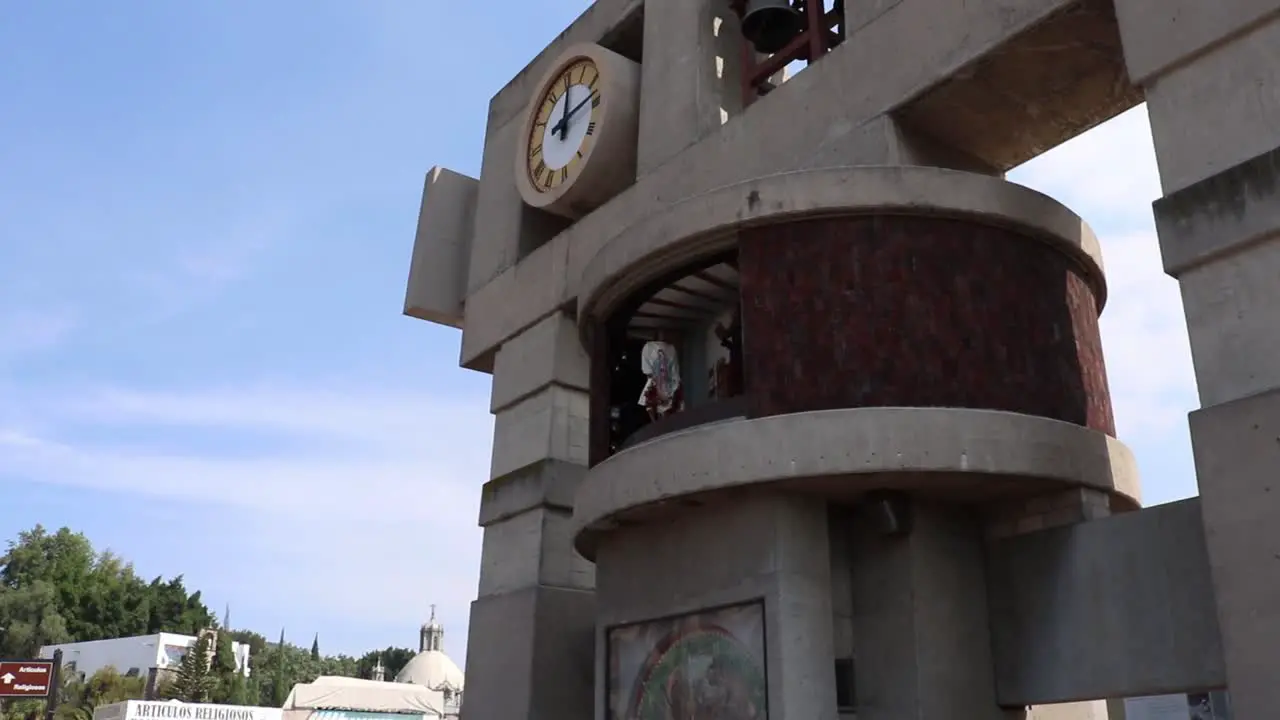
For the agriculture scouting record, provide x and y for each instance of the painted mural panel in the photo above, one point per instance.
(708, 665)
(1194, 706)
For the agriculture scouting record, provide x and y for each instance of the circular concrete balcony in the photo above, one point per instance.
(954, 455)
(852, 288)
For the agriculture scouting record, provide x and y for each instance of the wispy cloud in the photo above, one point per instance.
(24, 330)
(1109, 177)
(378, 488)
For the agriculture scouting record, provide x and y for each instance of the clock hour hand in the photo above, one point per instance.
(564, 118)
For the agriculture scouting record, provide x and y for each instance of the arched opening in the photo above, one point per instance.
(670, 357)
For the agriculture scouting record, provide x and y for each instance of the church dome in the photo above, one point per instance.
(432, 669)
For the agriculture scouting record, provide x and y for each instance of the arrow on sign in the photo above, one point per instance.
(7, 678)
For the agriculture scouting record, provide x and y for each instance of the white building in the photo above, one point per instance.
(143, 655)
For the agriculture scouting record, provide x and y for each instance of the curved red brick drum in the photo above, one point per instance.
(902, 311)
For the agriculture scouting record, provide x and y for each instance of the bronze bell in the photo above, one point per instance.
(770, 24)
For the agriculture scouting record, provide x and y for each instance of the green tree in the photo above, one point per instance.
(393, 661)
(339, 666)
(30, 618)
(281, 665)
(224, 658)
(104, 687)
(195, 681)
(55, 588)
(236, 691)
(252, 639)
(173, 610)
(21, 709)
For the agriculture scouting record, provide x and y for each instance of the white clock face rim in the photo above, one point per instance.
(558, 153)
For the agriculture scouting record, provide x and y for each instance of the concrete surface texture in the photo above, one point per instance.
(1010, 566)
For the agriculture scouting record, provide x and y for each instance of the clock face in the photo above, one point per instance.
(564, 126)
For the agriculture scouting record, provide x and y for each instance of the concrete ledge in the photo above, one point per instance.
(546, 354)
(964, 453)
(705, 224)
(1220, 214)
(548, 483)
(1118, 607)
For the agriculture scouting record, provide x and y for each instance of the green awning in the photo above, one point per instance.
(359, 715)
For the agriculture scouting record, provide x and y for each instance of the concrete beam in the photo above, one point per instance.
(839, 96)
(1159, 34)
(1219, 110)
(1117, 607)
(442, 248)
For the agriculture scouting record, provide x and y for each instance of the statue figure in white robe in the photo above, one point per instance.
(663, 393)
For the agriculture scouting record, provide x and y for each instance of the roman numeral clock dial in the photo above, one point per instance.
(564, 125)
(578, 149)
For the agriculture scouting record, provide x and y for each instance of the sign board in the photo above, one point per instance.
(174, 710)
(25, 678)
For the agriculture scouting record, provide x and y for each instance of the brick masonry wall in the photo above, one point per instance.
(884, 311)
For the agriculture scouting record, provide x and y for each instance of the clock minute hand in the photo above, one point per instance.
(562, 126)
(576, 108)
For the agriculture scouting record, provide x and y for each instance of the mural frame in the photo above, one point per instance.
(669, 629)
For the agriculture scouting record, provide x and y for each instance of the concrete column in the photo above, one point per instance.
(505, 228)
(769, 548)
(920, 621)
(530, 648)
(1212, 80)
(690, 82)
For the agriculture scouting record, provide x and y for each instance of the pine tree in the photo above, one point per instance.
(279, 693)
(194, 682)
(237, 691)
(315, 647)
(224, 659)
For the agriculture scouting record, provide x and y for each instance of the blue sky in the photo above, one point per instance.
(206, 215)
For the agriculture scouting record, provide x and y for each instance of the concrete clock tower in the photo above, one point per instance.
(802, 411)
